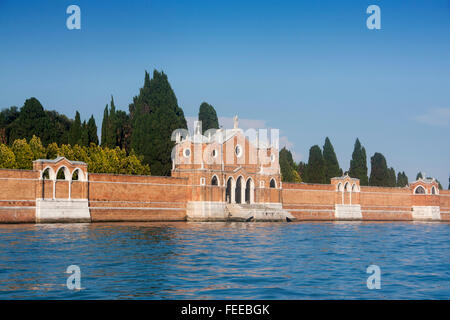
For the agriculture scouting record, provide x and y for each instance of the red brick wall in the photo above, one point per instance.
(382, 203)
(309, 201)
(17, 196)
(444, 203)
(137, 198)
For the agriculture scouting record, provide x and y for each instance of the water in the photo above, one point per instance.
(186, 260)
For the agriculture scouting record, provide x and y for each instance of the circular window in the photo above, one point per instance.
(238, 150)
(187, 153)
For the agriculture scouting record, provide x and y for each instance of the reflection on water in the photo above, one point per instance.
(186, 260)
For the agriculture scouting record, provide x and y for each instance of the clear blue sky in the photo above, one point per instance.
(310, 68)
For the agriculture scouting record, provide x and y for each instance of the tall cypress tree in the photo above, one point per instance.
(419, 176)
(379, 173)
(92, 131)
(392, 182)
(208, 116)
(332, 168)
(155, 114)
(75, 131)
(358, 164)
(287, 165)
(315, 169)
(402, 179)
(84, 134)
(105, 126)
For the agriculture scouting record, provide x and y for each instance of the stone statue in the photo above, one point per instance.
(236, 122)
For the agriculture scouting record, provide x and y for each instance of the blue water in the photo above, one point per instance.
(186, 260)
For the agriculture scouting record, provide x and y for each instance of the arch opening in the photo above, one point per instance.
(228, 190)
(214, 181)
(249, 191)
(272, 183)
(419, 190)
(238, 190)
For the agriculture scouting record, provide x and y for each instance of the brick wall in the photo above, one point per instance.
(137, 198)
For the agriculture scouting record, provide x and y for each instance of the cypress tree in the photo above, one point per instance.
(315, 170)
(287, 166)
(402, 179)
(75, 131)
(332, 168)
(105, 126)
(155, 114)
(208, 116)
(84, 134)
(419, 176)
(392, 182)
(358, 164)
(92, 131)
(379, 174)
(111, 132)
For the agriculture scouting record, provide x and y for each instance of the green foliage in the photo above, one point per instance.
(208, 116)
(37, 149)
(99, 159)
(92, 131)
(379, 174)
(358, 164)
(392, 181)
(23, 153)
(315, 170)
(7, 157)
(332, 168)
(402, 179)
(155, 114)
(116, 128)
(7, 117)
(75, 131)
(419, 176)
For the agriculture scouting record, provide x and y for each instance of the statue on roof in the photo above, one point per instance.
(236, 122)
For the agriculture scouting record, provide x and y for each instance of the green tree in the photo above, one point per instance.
(379, 174)
(402, 179)
(208, 116)
(315, 170)
(37, 149)
(419, 176)
(155, 114)
(105, 126)
(92, 131)
(287, 165)
(23, 154)
(7, 117)
(332, 168)
(358, 164)
(32, 120)
(7, 157)
(392, 181)
(84, 134)
(75, 130)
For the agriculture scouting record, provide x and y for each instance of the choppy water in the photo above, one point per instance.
(226, 260)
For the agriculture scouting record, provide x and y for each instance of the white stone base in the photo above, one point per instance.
(347, 212)
(62, 210)
(220, 211)
(427, 213)
(206, 211)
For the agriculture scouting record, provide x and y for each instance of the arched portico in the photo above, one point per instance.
(249, 191)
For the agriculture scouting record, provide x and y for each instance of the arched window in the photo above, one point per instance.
(214, 181)
(340, 187)
(354, 188)
(46, 174)
(433, 190)
(272, 183)
(419, 190)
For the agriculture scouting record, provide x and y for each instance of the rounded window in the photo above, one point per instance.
(419, 190)
(187, 153)
(214, 153)
(238, 151)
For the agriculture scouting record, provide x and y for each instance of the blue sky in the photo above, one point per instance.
(310, 68)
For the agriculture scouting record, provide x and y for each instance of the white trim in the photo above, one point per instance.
(420, 186)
